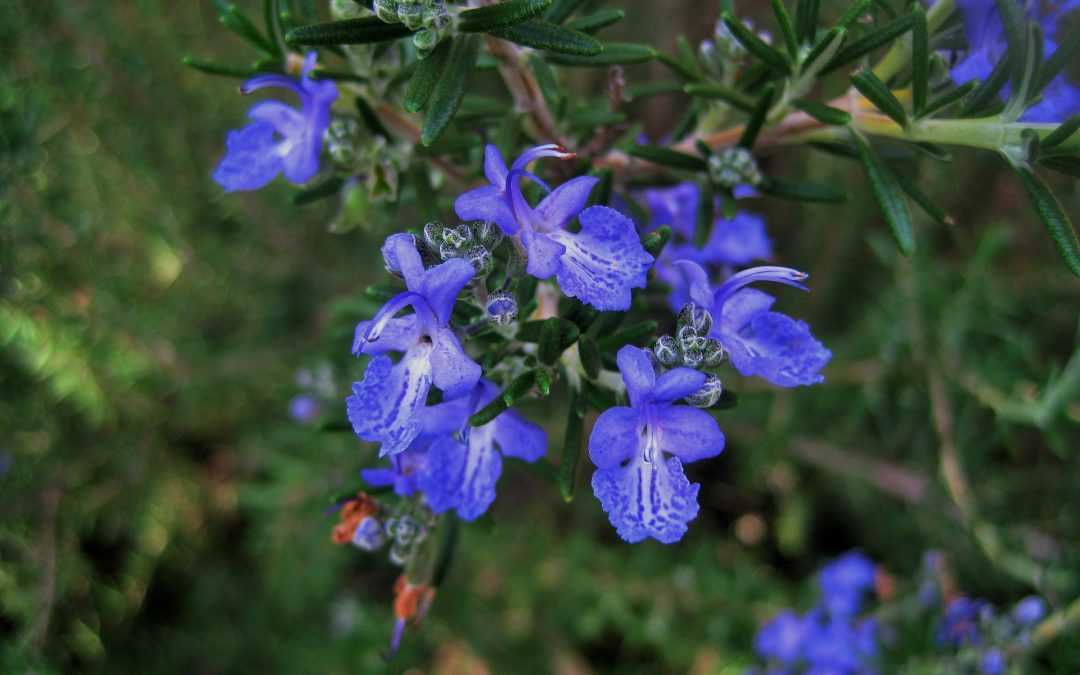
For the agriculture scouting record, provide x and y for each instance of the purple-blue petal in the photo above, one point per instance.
(251, 159)
(463, 477)
(771, 345)
(615, 437)
(604, 261)
(400, 255)
(452, 371)
(696, 280)
(782, 638)
(388, 405)
(643, 500)
(398, 335)
(544, 254)
(688, 433)
(517, 437)
(637, 373)
(487, 203)
(675, 384)
(441, 285)
(557, 209)
(494, 166)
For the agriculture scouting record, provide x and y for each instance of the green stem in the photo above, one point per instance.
(899, 54)
(1057, 624)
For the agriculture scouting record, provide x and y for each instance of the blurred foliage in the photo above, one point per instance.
(161, 513)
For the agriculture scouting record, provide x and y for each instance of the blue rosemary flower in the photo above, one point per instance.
(388, 405)
(732, 243)
(280, 139)
(463, 463)
(407, 469)
(598, 265)
(960, 625)
(644, 492)
(985, 35)
(761, 342)
(844, 583)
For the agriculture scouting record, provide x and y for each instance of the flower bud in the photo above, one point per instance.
(667, 351)
(346, 9)
(369, 534)
(486, 233)
(425, 41)
(433, 235)
(458, 236)
(411, 14)
(341, 141)
(480, 259)
(734, 166)
(386, 10)
(696, 317)
(502, 308)
(692, 358)
(713, 354)
(709, 393)
(689, 339)
(405, 530)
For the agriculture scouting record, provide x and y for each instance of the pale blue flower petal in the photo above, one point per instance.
(452, 370)
(388, 405)
(615, 437)
(604, 261)
(557, 209)
(517, 437)
(544, 254)
(688, 433)
(637, 373)
(251, 159)
(643, 500)
(398, 335)
(675, 384)
(487, 203)
(441, 285)
(463, 477)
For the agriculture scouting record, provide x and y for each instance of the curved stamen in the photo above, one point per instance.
(397, 303)
(273, 80)
(518, 206)
(548, 150)
(780, 275)
(652, 454)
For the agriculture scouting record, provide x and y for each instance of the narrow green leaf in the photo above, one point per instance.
(426, 76)
(869, 43)
(823, 113)
(646, 89)
(519, 387)
(614, 53)
(1064, 131)
(488, 412)
(607, 324)
(678, 66)
(920, 60)
(687, 57)
(1053, 217)
(888, 195)
(801, 191)
(212, 68)
(1057, 61)
(635, 333)
(655, 241)
(450, 89)
(734, 98)
(757, 118)
(572, 443)
(529, 331)
(823, 50)
(1013, 21)
(806, 19)
(367, 30)
(878, 93)
(590, 357)
(492, 18)
(1070, 166)
(851, 14)
(550, 341)
(236, 21)
(786, 29)
(666, 157)
(561, 10)
(594, 22)
(930, 208)
(949, 98)
(552, 37)
(704, 215)
(987, 92)
(545, 79)
(755, 45)
(543, 381)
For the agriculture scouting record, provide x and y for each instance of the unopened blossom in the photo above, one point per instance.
(388, 405)
(598, 265)
(761, 342)
(639, 451)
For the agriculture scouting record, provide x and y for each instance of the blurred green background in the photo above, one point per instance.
(161, 513)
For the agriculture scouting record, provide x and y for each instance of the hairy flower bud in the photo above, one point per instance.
(458, 236)
(486, 233)
(734, 166)
(693, 358)
(689, 339)
(369, 534)
(713, 354)
(481, 261)
(667, 351)
(709, 393)
(433, 235)
(502, 308)
(341, 140)
(696, 318)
